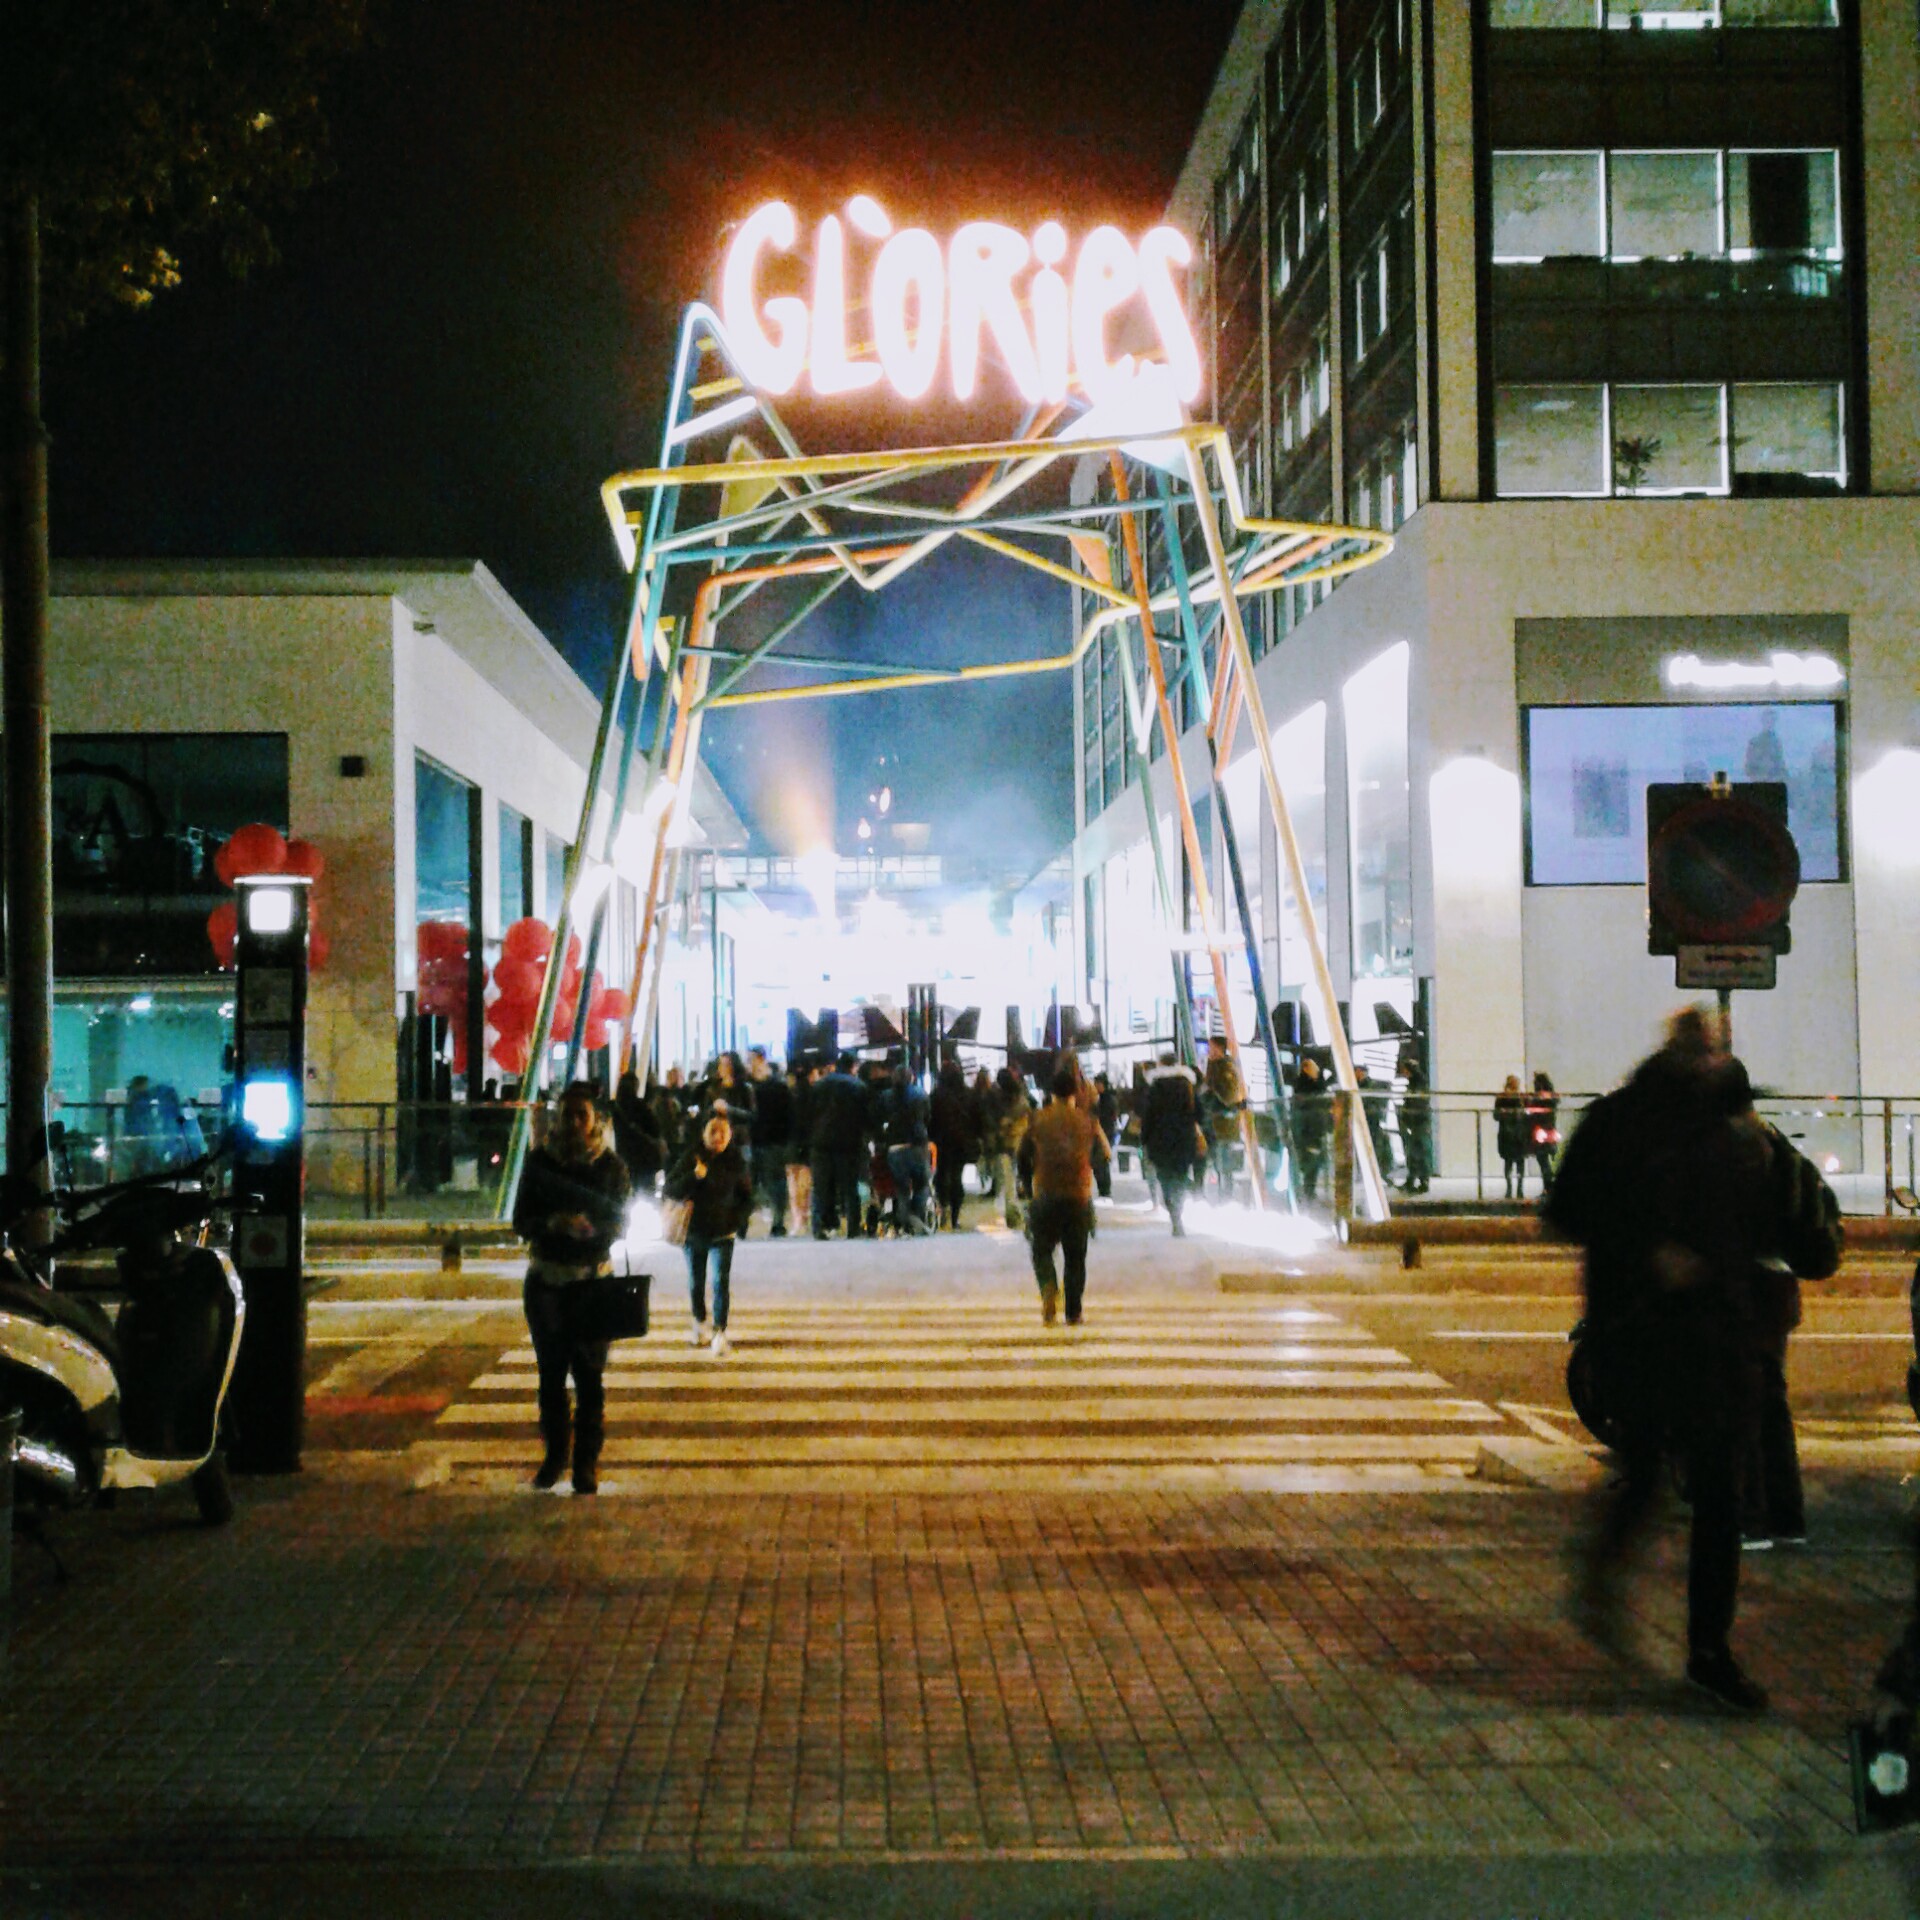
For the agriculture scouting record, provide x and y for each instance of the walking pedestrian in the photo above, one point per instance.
(1223, 1097)
(904, 1135)
(715, 1178)
(636, 1135)
(1106, 1110)
(1061, 1142)
(1510, 1135)
(838, 1145)
(571, 1208)
(772, 1142)
(956, 1140)
(1665, 1185)
(1012, 1113)
(799, 1156)
(1170, 1135)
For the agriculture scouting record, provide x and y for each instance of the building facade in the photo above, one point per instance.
(409, 720)
(1611, 311)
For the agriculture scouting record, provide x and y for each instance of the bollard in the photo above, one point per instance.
(9, 1432)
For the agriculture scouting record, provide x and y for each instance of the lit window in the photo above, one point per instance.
(1789, 436)
(1547, 206)
(1550, 440)
(1664, 206)
(1669, 439)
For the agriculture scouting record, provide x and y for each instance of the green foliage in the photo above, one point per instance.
(144, 125)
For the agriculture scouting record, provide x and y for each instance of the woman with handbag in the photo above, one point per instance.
(713, 1181)
(571, 1208)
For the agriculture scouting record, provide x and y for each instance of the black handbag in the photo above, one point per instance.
(613, 1306)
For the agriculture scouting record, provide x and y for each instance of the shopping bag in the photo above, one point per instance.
(676, 1219)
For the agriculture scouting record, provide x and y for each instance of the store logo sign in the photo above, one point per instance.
(1784, 671)
(989, 288)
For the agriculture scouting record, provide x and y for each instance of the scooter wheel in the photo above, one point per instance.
(213, 1491)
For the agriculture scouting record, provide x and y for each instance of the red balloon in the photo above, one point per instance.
(612, 1004)
(594, 1036)
(319, 948)
(460, 1046)
(441, 940)
(563, 1016)
(303, 857)
(254, 849)
(512, 1017)
(530, 940)
(223, 929)
(518, 979)
(509, 1054)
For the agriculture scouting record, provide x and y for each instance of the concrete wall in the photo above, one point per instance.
(319, 669)
(1890, 137)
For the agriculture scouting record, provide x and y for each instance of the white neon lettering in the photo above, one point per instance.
(1106, 276)
(869, 216)
(910, 262)
(770, 362)
(833, 372)
(1049, 302)
(1160, 252)
(981, 262)
(987, 290)
(1783, 669)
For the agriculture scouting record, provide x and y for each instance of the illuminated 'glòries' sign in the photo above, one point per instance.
(921, 296)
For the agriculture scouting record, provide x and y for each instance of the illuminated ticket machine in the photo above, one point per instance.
(269, 1241)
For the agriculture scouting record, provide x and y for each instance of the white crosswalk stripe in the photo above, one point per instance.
(912, 1396)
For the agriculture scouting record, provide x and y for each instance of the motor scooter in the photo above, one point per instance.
(136, 1399)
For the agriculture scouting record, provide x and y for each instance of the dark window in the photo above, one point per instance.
(516, 866)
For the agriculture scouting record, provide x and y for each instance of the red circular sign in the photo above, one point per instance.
(1722, 869)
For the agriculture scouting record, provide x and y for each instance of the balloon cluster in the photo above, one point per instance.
(257, 850)
(525, 950)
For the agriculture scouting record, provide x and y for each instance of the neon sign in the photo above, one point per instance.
(1782, 669)
(922, 297)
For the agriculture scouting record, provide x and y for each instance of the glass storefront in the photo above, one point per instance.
(1380, 823)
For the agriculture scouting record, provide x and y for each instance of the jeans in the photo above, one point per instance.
(1007, 1185)
(1172, 1179)
(700, 1255)
(1064, 1224)
(1220, 1159)
(551, 1314)
(912, 1171)
(770, 1181)
(836, 1189)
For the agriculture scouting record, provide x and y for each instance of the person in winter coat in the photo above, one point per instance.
(571, 1208)
(1510, 1135)
(956, 1139)
(772, 1142)
(714, 1177)
(1106, 1110)
(1012, 1111)
(1416, 1130)
(636, 1134)
(1543, 1128)
(1666, 1184)
(1170, 1135)
(1311, 1119)
(728, 1086)
(904, 1135)
(1223, 1097)
(838, 1147)
(1061, 1144)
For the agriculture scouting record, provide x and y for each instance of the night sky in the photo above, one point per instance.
(472, 325)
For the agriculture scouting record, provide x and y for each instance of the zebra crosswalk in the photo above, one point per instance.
(907, 1395)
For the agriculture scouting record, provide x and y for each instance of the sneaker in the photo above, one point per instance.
(585, 1480)
(697, 1334)
(722, 1346)
(1073, 1319)
(548, 1475)
(1718, 1673)
(1756, 1543)
(1049, 1305)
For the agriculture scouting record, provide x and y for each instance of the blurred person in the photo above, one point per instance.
(1012, 1113)
(1171, 1137)
(1666, 1185)
(1416, 1130)
(636, 1135)
(903, 1126)
(837, 1146)
(771, 1146)
(1311, 1121)
(953, 1128)
(1106, 1110)
(1510, 1135)
(1223, 1098)
(1543, 1129)
(799, 1163)
(571, 1208)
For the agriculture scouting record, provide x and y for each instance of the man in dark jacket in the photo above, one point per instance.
(1170, 1133)
(1665, 1183)
(571, 1207)
(772, 1135)
(953, 1123)
(837, 1148)
(904, 1133)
